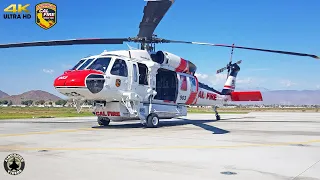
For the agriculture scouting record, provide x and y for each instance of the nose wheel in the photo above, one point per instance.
(103, 121)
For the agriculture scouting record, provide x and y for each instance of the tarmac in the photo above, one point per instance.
(239, 146)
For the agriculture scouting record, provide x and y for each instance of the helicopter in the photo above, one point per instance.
(145, 84)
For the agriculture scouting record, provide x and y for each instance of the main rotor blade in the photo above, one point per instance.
(248, 48)
(153, 13)
(66, 42)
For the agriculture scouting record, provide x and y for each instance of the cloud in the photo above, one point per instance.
(318, 86)
(201, 76)
(216, 79)
(247, 80)
(287, 83)
(220, 80)
(48, 71)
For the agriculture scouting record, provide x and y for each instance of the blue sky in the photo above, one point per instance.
(283, 25)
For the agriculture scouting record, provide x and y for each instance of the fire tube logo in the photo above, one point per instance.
(14, 164)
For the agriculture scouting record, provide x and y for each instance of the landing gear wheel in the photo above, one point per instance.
(103, 121)
(217, 114)
(152, 120)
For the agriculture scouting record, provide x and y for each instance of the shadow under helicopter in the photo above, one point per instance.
(199, 123)
(179, 122)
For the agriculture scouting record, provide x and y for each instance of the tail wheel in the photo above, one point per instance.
(103, 121)
(152, 120)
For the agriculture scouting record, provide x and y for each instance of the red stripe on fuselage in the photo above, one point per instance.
(182, 66)
(192, 97)
(231, 87)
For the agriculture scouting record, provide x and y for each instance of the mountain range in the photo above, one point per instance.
(285, 97)
(3, 94)
(34, 95)
(291, 97)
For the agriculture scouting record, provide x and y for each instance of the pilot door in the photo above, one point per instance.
(119, 75)
(133, 78)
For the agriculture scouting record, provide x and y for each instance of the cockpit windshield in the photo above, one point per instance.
(78, 64)
(85, 64)
(100, 64)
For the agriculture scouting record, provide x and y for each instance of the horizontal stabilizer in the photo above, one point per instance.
(246, 96)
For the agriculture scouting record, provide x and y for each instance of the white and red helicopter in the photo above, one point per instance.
(143, 83)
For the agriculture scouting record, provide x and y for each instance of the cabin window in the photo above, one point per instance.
(100, 64)
(143, 74)
(119, 68)
(193, 84)
(183, 83)
(135, 73)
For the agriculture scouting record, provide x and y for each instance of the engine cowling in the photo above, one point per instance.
(178, 63)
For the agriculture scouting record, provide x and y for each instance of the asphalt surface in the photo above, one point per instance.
(240, 146)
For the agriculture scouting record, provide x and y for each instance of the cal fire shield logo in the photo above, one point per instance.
(118, 82)
(46, 15)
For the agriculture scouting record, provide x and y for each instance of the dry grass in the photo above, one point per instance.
(50, 112)
(36, 112)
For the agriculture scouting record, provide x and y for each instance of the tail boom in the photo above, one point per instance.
(207, 96)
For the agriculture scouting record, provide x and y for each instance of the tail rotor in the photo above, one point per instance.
(233, 70)
(228, 66)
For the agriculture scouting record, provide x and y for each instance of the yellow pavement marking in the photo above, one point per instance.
(154, 148)
(47, 132)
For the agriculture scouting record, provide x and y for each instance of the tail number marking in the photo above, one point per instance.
(183, 98)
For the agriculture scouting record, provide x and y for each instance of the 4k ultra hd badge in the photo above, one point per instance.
(46, 15)
(14, 164)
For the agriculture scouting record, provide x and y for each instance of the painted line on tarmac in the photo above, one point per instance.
(47, 132)
(154, 148)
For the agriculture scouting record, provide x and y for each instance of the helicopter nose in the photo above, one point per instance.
(95, 82)
(90, 79)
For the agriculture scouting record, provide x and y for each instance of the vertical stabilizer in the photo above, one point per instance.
(230, 84)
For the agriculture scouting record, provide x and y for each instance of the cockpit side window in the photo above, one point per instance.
(143, 77)
(119, 68)
(85, 64)
(135, 73)
(100, 64)
(78, 64)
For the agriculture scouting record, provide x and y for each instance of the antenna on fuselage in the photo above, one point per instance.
(130, 47)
